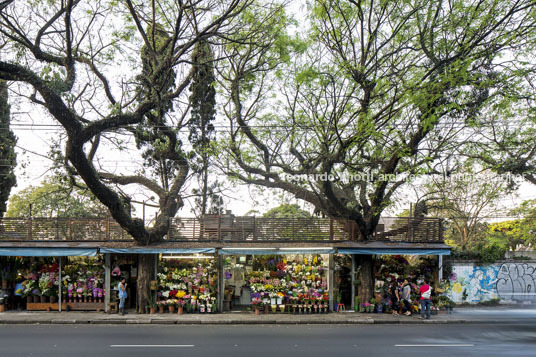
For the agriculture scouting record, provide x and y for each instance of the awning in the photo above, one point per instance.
(273, 251)
(48, 252)
(393, 251)
(157, 250)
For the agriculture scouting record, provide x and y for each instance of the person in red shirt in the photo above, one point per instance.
(425, 291)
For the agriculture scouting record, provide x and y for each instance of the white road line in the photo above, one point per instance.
(153, 346)
(440, 345)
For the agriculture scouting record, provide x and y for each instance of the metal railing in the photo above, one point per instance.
(223, 228)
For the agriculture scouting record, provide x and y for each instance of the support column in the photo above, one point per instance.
(331, 265)
(353, 283)
(107, 282)
(440, 267)
(59, 287)
(221, 282)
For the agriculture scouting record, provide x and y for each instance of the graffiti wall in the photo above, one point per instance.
(511, 282)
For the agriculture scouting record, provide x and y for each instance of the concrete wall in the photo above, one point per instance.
(512, 282)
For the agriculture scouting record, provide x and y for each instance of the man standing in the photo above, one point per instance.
(406, 300)
(122, 287)
(425, 290)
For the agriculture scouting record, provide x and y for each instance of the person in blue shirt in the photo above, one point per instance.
(122, 287)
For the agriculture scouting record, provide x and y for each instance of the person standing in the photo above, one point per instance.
(426, 291)
(122, 287)
(394, 297)
(406, 299)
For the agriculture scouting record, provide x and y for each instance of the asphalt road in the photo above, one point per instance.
(270, 340)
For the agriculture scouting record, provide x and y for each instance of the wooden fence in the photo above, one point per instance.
(223, 228)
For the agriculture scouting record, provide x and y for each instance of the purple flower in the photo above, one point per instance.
(453, 277)
(227, 275)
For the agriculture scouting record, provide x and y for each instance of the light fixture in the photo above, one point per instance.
(186, 257)
(309, 248)
(238, 248)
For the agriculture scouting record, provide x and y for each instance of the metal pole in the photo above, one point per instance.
(221, 283)
(353, 283)
(440, 264)
(107, 282)
(331, 266)
(59, 289)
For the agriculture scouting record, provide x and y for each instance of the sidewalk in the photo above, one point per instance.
(463, 315)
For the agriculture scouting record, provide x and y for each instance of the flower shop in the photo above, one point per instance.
(52, 283)
(209, 280)
(278, 282)
(186, 283)
(390, 271)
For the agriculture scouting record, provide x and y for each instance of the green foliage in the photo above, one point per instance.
(53, 198)
(8, 157)
(287, 211)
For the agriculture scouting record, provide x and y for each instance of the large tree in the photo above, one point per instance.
(8, 157)
(466, 198)
(115, 73)
(383, 91)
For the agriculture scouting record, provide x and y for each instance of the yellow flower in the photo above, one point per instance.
(457, 288)
(180, 294)
(305, 261)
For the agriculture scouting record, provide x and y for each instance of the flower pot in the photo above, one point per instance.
(53, 299)
(180, 310)
(43, 299)
(171, 309)
(152, 310)
(161, 309)
(35, 299)
(4, 284)
(257, 312)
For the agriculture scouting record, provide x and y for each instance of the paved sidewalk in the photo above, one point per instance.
(462, 315)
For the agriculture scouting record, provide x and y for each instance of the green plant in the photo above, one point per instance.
(492, 302)
(373, 301)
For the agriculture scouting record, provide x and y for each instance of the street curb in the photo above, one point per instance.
(367, 321)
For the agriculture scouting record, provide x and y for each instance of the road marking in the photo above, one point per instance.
(157, 346)
(440, 345)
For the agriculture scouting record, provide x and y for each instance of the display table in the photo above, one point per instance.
(65, 306)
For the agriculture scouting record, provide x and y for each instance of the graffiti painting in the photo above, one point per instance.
(516, 281)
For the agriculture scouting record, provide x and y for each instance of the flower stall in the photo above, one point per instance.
(390, 269)
(295, 283)
(187, 284)
(82, 283)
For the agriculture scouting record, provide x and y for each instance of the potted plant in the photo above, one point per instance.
(372, 305)
(180, 306)
(160, 305)
(171, 305)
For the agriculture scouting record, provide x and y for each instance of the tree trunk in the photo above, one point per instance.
(145, 275)
(365, 290)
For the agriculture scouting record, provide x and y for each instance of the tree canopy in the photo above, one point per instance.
(8, 157)
(54, 198)
(115, 73)
(375, 92)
